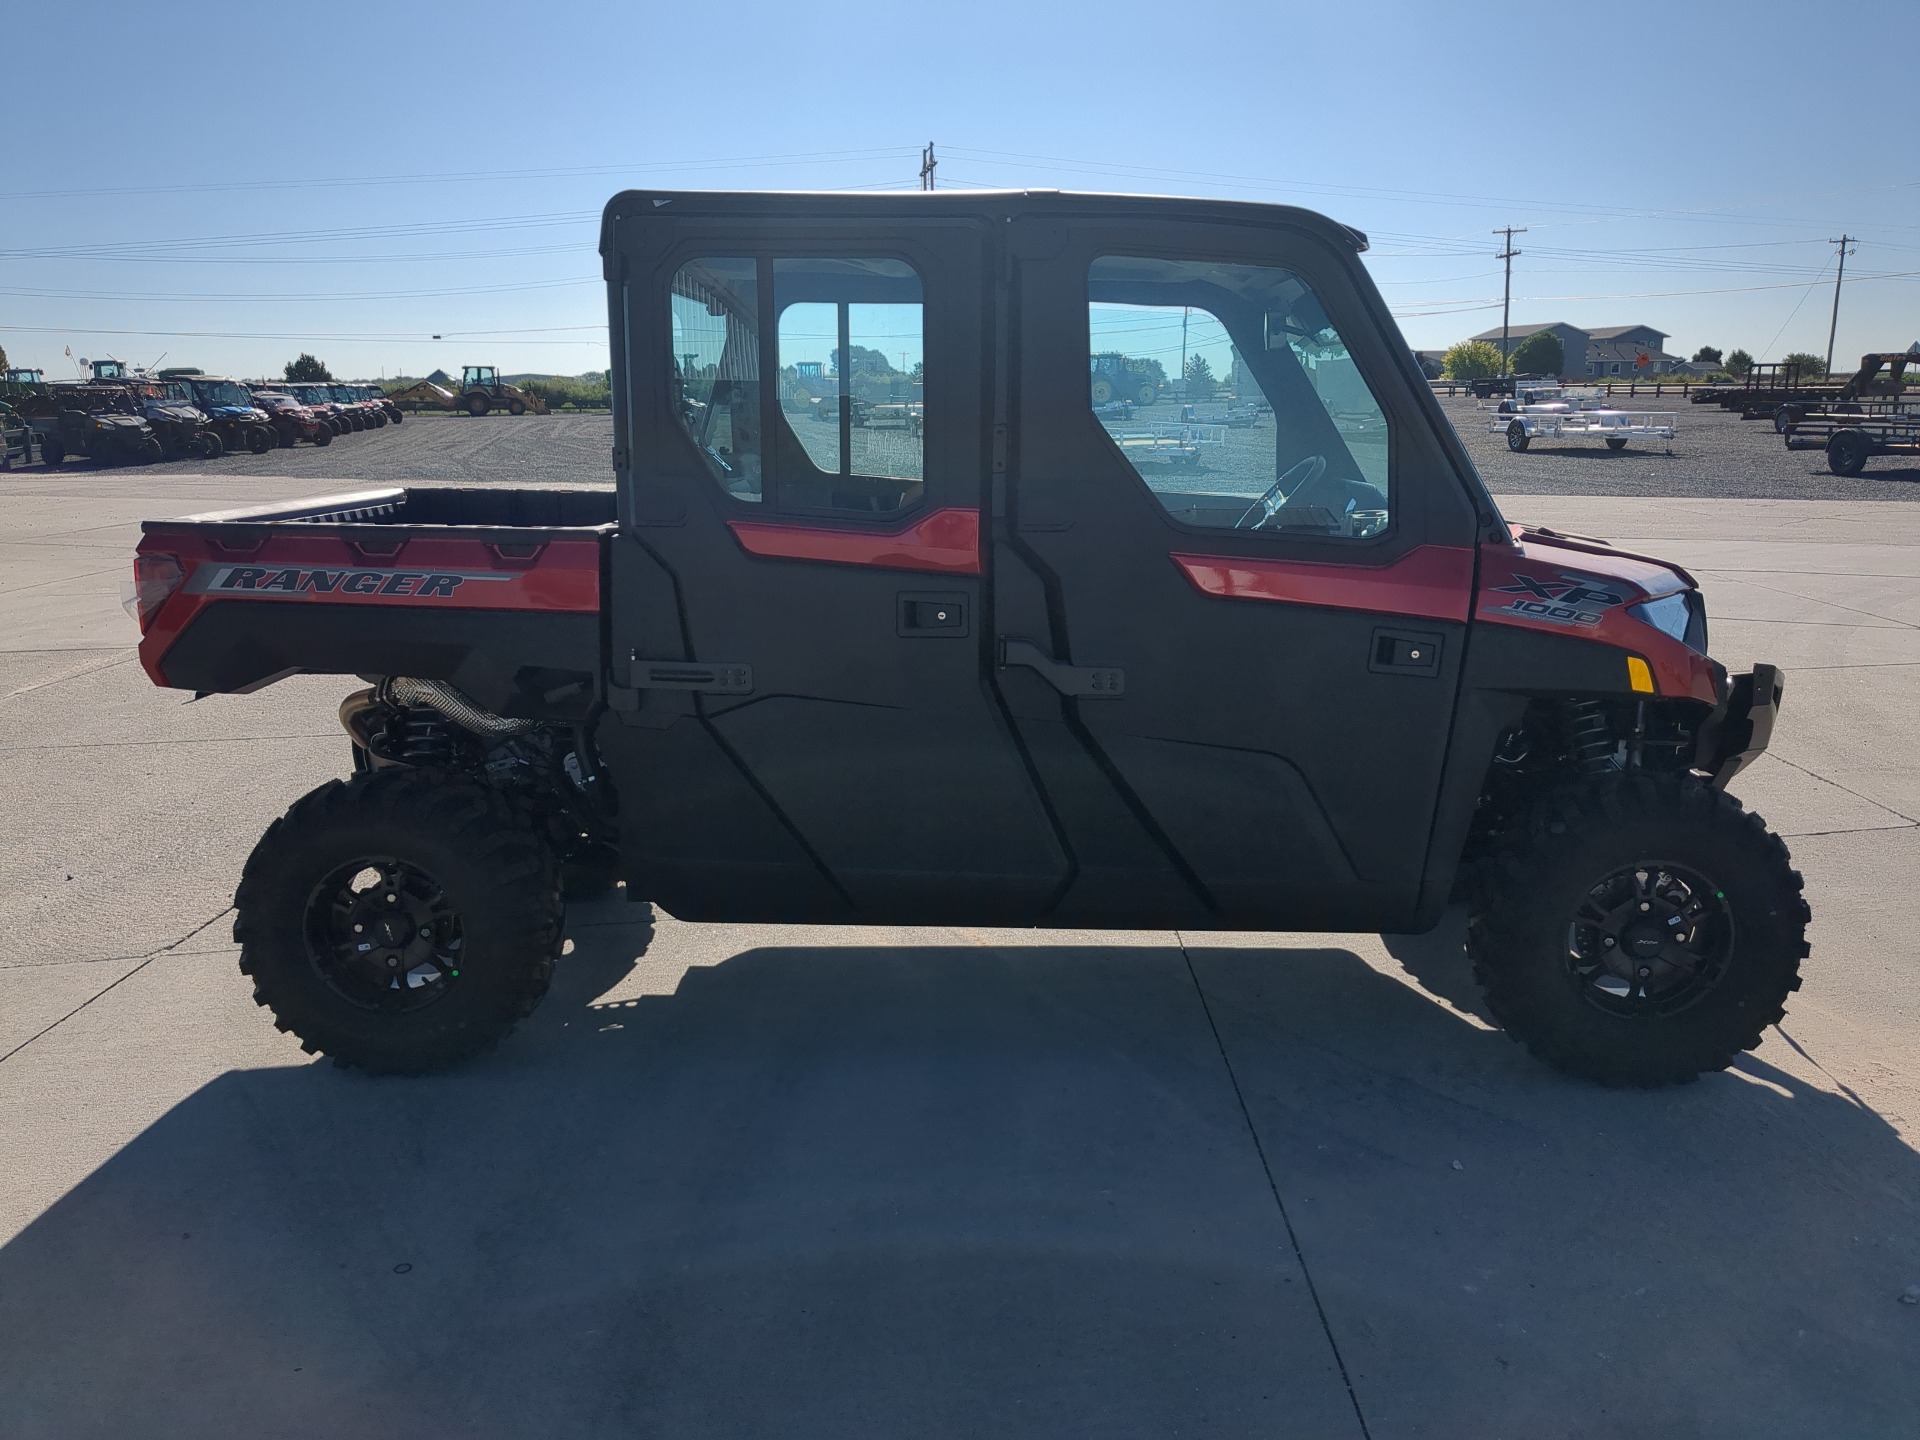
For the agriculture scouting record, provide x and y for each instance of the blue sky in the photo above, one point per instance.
(381, 173)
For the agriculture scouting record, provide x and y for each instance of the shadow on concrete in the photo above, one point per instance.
(933, 1191)
(812, 1192)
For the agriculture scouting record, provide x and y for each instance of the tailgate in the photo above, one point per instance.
(436, 584)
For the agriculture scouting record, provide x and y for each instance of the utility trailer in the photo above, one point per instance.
(1170, 442)
(1852, 440)
(1544, 411)
(1010, 677)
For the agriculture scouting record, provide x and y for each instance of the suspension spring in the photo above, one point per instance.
(426, 737)
(1591, 737)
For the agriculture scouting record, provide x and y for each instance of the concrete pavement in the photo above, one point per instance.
(738, 1180)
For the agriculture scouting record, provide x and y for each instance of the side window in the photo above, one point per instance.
(716, 368)
(1232, 396)
(851, 384)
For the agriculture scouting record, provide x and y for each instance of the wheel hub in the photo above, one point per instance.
(383, 935)
(1649, 940)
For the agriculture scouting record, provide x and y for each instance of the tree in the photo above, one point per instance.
(1538, 354)
(1739, 362)
(1200, 381)
(1471, 360)
(1707, 355)
(1812, 367)
(3, 357)
(307, 368)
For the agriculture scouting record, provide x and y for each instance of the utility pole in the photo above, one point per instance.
(1506, 290)
(1839, 275)
(927, 166)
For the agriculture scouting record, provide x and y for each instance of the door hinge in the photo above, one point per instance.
(1088, 682)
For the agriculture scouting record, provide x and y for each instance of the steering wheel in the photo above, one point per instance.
(1301, 472)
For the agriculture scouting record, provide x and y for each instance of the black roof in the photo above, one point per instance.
(995, 204)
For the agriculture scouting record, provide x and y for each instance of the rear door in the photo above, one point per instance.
(805, 726)
(1233, 575)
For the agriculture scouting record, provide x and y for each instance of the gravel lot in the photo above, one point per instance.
(536, 449)
(1716, 455)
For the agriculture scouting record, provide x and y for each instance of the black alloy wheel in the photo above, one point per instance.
(1637, 929)
(1649, 940)
(383, 935)
(1517, 437)
(400, 922)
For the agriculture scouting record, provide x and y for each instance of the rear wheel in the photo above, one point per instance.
(400, 922)
(1847, 452)
(1638, 931)
(1784, 419)
(1517, 437)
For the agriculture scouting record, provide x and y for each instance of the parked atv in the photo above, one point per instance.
(101, 422)
(292, 421)
(230, 410)
(319, 399)
(177, 422)
(355, 398)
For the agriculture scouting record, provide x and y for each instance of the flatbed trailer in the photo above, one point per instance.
(1616, 427)
(1851, 440)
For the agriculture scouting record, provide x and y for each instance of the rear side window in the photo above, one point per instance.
(851, 383)
(843, 415)
(1230, 393)
(716, 369)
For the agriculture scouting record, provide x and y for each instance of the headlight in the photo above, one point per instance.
(1681, 617)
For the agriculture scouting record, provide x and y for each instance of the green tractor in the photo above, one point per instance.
(1118, 377)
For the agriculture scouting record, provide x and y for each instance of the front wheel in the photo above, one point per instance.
(210, 445)
(1517, 437)
(476, 405)
(323, 435)
(400, 922)
(516, 407)
(1638, 930)
(261, 439)
(52, 452)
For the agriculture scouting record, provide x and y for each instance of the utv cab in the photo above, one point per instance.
(101, 422)
(1030, 662)
(232, 413)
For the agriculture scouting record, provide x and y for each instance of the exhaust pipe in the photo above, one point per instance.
(436, 694)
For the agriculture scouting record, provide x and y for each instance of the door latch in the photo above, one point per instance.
(1404, 652)
(1088, 682)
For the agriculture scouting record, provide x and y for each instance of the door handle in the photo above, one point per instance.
(1404, 652)
(1087, 682)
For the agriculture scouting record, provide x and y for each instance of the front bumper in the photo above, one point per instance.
(1733, 736)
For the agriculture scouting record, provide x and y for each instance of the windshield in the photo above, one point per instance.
(223, 392)
(344, 394)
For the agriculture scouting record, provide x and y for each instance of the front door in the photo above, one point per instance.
(803, 722)
(1233, 576)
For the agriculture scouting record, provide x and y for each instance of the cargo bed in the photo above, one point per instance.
(389, 582)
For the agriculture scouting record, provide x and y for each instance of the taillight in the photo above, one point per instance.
(155, 577)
